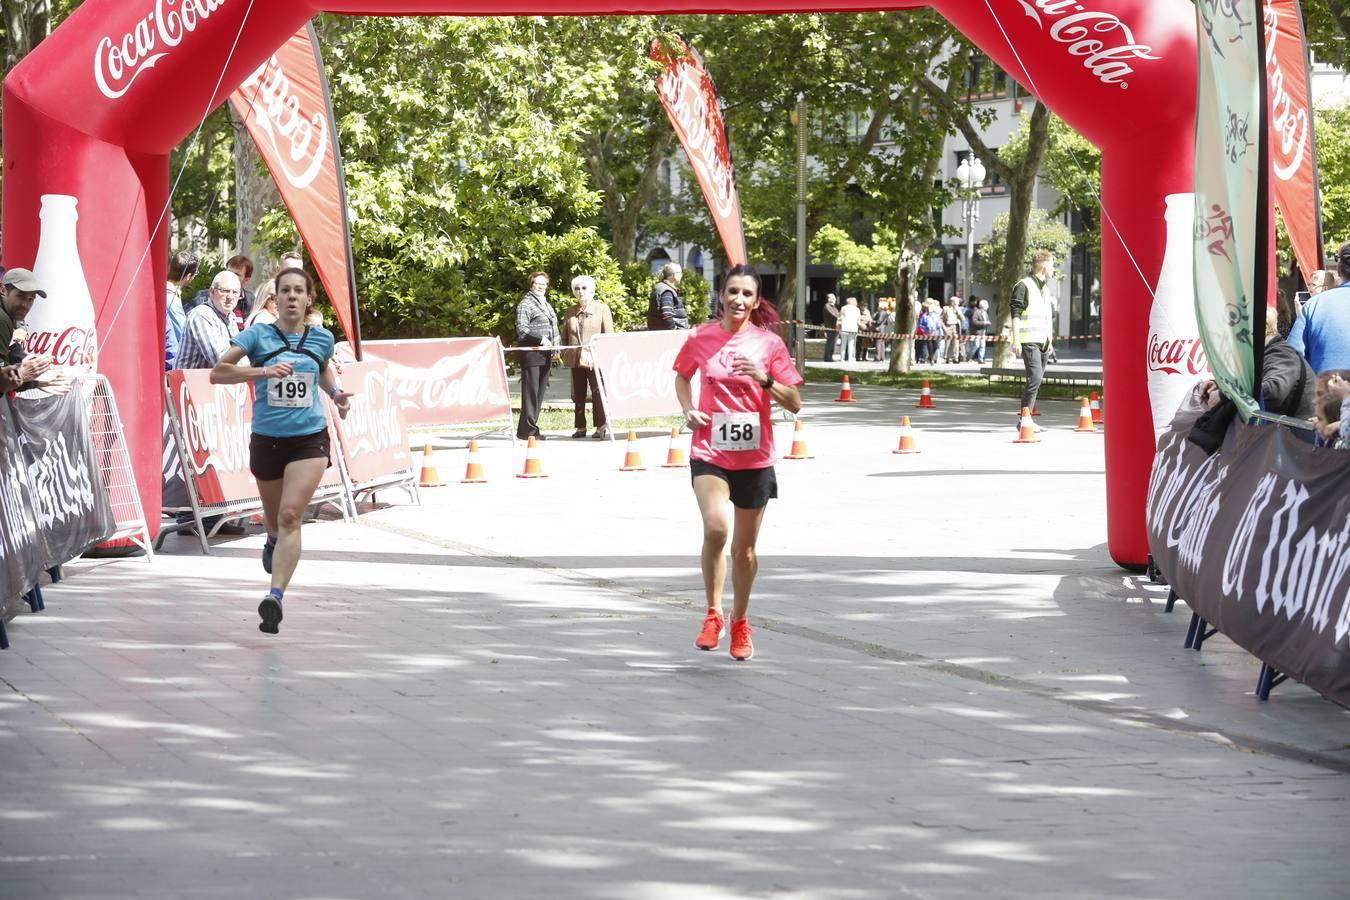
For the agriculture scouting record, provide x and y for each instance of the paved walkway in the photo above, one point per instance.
(496, 695)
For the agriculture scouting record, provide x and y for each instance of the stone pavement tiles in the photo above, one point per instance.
(934, 710)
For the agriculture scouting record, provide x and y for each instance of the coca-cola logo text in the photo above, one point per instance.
(278, 113)
(74, 347)
(452, 381)
(118, 64)
(1288, 120)
(373, 424)
(688, 97)
(1171, 356)
(1085, 33)
(646, 379)
(217, 433)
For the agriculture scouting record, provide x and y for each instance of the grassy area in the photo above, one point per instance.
(944, 382)
(557, 419)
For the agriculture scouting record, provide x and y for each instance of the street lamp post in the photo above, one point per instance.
(970, 175)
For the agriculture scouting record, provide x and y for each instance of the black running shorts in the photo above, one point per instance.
(268, 457)
(750, 488)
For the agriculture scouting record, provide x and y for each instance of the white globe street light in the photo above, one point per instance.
(970, 175)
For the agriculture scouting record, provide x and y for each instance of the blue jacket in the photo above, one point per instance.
(1322, 330)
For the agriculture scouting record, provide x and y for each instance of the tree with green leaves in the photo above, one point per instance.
(1017, 164)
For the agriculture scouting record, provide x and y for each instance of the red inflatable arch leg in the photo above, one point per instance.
(95, 110)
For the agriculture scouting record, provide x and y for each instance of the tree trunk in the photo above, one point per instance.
(906, 290)
(27, 23)
(624, 211)
(254, 193)
(1021, 194)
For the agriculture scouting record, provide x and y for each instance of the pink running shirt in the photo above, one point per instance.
(734, 401)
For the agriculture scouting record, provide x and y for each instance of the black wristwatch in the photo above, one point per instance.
(767, 382)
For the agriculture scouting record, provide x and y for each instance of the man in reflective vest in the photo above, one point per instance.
(1032, 323)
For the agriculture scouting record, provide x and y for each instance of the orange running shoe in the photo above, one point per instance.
(713, 629)
(741, 646)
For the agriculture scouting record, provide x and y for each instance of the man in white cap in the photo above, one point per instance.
(21, 291)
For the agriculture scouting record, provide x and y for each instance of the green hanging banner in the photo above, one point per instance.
(1231, 205)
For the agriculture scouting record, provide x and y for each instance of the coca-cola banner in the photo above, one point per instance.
(1230, 174)
(374, 436)
(20, 543)
(1256, 540)
(286, 107)
(1292, 147)
(690, 99)
(445, 381)
(216, 421)
(637, 372)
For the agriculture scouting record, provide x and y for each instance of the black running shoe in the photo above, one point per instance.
(269, 546)
(270, 611)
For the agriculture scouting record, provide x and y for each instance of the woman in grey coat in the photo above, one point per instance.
(536, 326)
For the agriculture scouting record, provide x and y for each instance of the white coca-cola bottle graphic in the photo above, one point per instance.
(62, 323)
(1176, 358)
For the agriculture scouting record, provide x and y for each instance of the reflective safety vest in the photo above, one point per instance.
(1035, 324)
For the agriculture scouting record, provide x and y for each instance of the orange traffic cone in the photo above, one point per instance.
(1094, 403)
(1085, 419)
(799, 450)
(845, 392)
(429, 477)
(473, 472)
(907, 444)
(1026, 431)
(632, 457)
(533, 467)
(926, 397)
(675, 458)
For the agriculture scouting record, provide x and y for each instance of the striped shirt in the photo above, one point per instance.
(206, 335)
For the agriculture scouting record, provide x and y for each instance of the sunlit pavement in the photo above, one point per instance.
(496, 694)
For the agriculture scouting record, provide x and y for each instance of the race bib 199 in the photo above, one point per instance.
(295, 391)
(735, 431)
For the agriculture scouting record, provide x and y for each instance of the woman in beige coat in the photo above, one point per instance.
(585, 319)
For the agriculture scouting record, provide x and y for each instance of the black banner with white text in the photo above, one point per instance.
(1256, 540)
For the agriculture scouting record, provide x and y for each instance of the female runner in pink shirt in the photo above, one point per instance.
(742, 367)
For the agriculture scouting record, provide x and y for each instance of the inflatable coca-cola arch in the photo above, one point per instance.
(94, 111)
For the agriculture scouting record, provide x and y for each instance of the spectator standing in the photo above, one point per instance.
(885, 324)
(849, 319)
(1321, 280)
(864, 325)
(583, 321)
(831, 323)
(182, 269)
(21, 290)
(666, 310)
(979, 329)
(208, 329)
(536, 326)
(265, 308)
(1031, 324)
(1321, 333)
(951, 329)
(241, 266)
(931, 322)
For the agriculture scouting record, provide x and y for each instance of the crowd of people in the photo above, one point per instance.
(956, 332)
(1305, 370)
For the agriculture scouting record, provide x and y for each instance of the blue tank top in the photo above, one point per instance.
(287, 407)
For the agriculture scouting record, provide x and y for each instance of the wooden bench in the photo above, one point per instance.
(1053, 375)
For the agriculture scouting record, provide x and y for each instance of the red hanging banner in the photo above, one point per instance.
(285, 106)
(690, 98)
(1293, 162)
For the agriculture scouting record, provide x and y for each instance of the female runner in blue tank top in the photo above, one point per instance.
(288, 453)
